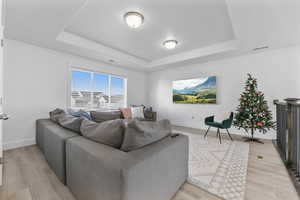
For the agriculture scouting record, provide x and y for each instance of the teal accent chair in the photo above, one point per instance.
(225, 124)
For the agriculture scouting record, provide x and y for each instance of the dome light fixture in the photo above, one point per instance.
(134, 19)
(170, 44)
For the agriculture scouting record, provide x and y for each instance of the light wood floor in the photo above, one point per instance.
(27, 176)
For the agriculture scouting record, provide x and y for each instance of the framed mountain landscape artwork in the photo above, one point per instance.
(195, 91)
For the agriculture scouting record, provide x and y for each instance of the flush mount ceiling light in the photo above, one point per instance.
(170, 44)
(134, 19)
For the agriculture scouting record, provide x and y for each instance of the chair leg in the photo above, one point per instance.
(229, 134)
(219, 135)
(206, 131)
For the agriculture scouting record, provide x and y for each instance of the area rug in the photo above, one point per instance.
(218, 168)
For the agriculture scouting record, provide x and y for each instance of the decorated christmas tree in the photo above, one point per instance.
(253, 112)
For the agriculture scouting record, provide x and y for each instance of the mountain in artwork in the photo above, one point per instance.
(195, 91)
(208, 84)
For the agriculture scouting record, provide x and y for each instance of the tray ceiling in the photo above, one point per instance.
(194, 23)
(205, 29)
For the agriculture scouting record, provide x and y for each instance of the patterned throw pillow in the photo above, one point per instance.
(79, 113)
(126, 112)
(137, 112)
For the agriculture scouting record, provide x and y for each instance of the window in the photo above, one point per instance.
(94, 90)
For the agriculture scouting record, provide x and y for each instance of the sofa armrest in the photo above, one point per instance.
(157, 171)
(94, 170)
(41, 125)
(149, 151)
(51, 138)
(110, 157)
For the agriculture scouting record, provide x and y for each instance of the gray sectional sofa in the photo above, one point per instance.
(95, 171)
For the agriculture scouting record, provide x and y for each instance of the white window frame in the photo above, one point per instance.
(92, 74)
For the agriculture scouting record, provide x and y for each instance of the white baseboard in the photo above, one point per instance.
(19, 143)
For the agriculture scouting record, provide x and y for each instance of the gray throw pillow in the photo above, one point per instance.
(109, 132)
(55, 114)
(101, 116)
(141, 133)
(70, 122)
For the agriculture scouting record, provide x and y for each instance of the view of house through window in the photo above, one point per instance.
(97, 90)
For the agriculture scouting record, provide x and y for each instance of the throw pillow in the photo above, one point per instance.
(101, 116)
(141, 133)
(70, 122)
(55, 114)
(126, 112)
(108, 132)
(137, 112)
(133, 105)
(79, 113)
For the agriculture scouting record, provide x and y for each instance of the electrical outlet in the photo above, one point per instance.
(259, 157)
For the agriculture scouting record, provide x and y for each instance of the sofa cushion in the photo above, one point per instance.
(101, 116)
(109, 132)
(70, 122)
(141, 133)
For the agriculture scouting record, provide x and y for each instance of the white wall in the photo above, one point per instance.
(36, 81)
(277, 71)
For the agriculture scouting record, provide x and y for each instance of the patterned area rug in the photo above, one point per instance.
(218, 168)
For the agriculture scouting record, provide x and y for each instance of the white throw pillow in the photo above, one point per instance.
(137, 112)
